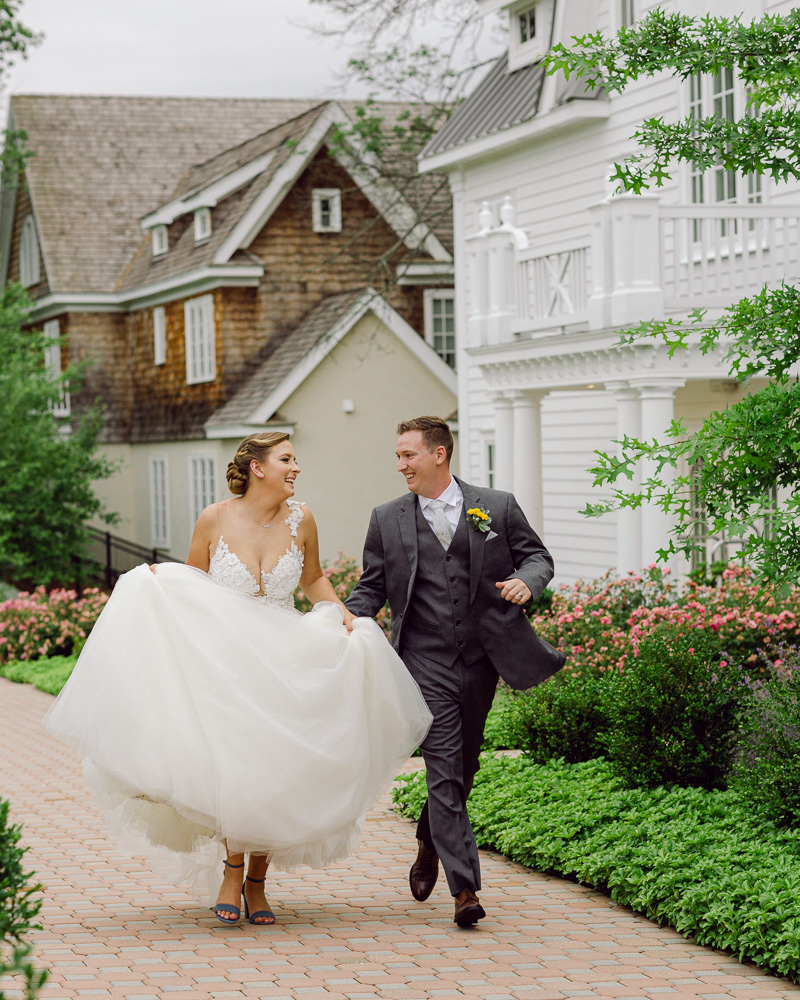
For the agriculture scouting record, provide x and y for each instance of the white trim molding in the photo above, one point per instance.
(201, 279)
(426, 272)
(565, 116)
(210, 195)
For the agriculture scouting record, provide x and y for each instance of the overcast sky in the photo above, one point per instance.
(202, 48)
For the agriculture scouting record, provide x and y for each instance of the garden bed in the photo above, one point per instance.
(701, 861)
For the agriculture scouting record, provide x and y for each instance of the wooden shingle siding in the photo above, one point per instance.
(162, 405)
(100, 339)
(302, 266)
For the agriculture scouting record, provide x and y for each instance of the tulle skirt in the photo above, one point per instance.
(204, 716)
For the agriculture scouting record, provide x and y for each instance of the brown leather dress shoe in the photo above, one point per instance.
(424, 872)
(468, 910)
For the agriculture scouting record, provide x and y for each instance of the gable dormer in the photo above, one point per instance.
(530, 32)
(530, 24)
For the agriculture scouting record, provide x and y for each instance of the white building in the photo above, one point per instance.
(550, 265)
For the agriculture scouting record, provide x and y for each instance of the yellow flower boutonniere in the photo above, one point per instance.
(479, 518)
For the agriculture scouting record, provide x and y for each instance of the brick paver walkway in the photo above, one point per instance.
(111, 928)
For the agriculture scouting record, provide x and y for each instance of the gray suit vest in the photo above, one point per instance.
(437, 620)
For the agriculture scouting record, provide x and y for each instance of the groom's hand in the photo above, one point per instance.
(514, 590)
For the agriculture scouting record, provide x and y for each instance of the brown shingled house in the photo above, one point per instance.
(214, 259)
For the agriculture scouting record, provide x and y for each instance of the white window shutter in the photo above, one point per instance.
(29, 271)
(159, 335)
(159, 502)
(201, 365)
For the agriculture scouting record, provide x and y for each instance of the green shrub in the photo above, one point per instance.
(496, 735)
(17, 910)
(49, 674)
(566, 718)
(676, 715)
(767, 770)
(702, 861)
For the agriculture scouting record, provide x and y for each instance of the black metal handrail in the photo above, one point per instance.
(108, 556)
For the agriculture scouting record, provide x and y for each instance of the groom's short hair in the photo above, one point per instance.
(434, 430)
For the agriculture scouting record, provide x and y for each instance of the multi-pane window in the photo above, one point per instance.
(724, 180)
(52, 364)
(202, 224)
(29, 272)
(527, 25)
(326, 210)
(440, 324)
(159, 335)
(159, 240)
(201, 365)
(490, 464)
(159, 502)
(201, 484)
(717, 95)
(627, 13)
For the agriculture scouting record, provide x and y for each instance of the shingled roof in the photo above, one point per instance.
(101, 163)
(185, 253)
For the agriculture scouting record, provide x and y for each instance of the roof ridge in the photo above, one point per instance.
(257, 135)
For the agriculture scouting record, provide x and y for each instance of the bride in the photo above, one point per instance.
(215, 719)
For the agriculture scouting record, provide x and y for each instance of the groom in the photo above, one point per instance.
(456, 563)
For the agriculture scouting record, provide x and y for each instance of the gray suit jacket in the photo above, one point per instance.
(519, 656)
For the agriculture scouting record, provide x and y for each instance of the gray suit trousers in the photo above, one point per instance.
(459, 697)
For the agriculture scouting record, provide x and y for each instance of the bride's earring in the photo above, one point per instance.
(256, 471)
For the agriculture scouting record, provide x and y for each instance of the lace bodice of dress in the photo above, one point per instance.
(279, 584)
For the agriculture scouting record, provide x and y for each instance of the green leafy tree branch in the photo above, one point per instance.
(47, 466)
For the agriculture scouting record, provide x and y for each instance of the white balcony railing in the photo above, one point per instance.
(642, 260)
(552, 289)
(712, 255)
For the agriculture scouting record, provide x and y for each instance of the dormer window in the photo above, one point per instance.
(29, 272)
(202, 224)
(531, 25)
(160, 240)
(326, 210)
(527, 25)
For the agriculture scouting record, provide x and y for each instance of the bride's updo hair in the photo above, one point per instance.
(257, 447)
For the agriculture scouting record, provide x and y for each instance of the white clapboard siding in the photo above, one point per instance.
(573, 425)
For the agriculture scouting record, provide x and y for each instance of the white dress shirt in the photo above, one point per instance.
(454, 499)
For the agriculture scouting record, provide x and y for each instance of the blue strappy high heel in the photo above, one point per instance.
(258, 913)
(226, 907)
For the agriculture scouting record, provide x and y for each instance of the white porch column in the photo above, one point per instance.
(657, 412)
(629, 521)
(503, 443)
(527, 419)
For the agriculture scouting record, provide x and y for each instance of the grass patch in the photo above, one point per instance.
(704, 862)
(49, 674)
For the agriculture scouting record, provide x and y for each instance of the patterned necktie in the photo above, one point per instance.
(441, 526)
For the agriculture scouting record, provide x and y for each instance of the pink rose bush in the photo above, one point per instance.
(344, 574)
(42, 623)
(600, 623)
(589, 620)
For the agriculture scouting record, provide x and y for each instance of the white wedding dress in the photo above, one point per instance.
(207, 709)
